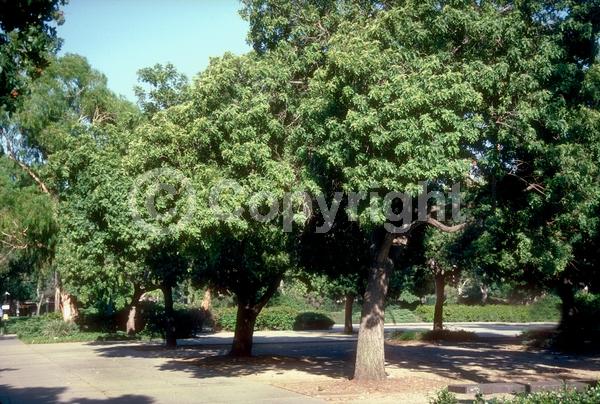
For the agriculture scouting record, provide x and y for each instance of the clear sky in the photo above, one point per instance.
(118, 37)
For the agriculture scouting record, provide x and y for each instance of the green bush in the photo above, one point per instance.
(58, 328)
(442, 335)
(503, 313)
(444, 397)
(588, 396)
(274, 318)
(188, 321)
(397, 315)
(312, 321)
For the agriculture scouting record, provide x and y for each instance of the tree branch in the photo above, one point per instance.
(448, 229)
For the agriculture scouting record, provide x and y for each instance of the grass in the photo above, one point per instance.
(432, 336)
(50, 329)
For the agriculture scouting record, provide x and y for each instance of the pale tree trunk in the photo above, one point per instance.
(370, 356)
(206, 304)
(57, 308)
(170, 332)
(38, 306)
(40, 299)
(438, 312)
(131, 325)
(348, 314)
(68, 305)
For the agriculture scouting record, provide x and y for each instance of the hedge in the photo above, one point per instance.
(491, 313)
(274, 318)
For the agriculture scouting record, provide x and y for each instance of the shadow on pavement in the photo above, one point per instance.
(489, 361)
(483, 362)
(13, 395)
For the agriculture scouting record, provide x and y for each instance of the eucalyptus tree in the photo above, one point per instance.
(67, 108)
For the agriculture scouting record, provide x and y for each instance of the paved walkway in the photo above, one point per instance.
(80, 373)
(287, 364)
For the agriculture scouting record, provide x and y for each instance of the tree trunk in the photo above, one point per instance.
(57, 308)
(131, 325)
(170, 332)
(68, 305)
(438, 312)
(348, 314)
(246, 318)
(206, 300)
(568, 310)
(38, 305)
(370, 356)
(244, 331)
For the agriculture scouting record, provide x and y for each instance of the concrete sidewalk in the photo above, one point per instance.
(81, 373)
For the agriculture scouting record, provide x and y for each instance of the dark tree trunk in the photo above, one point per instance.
(348, 314)
(438, 312)
(370, 356)
(244, 330)
(568, 310)
(170, 334)
(246, 318)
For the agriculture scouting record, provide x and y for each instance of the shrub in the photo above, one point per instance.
(58, 328)
(312, 321)
(443, 335)
(224, 318)
(270, 318)
(188, 321)
(505, 313)
(274, 318)
(588, 396)
(444, 397)
(396, 315)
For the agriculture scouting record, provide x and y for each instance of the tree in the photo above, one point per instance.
(442, 258)
(230, 140)
(27, 41)
(540, 204)
(67, 109)
(163, 87)
(413, 94)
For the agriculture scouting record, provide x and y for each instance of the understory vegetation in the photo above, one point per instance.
(570, 396)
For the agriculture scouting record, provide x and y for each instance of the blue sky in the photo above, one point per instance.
(118, 37)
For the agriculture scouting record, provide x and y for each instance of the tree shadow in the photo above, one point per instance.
(329, 358)
(485, 362)
(490, 360)
(25, 395)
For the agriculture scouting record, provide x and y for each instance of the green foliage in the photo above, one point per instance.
(436, 335)
(571, 396)
(27, 40)
(398, 315)
(163, 87)
(491, 313)
(312, 321)
(57, 328)
(444, 397)
(187, 321)
(41, 329)
(275, 318)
